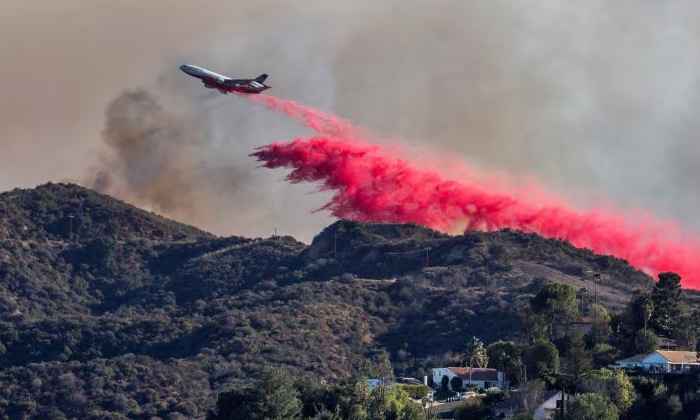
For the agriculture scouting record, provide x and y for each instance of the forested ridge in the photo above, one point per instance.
(109, 311)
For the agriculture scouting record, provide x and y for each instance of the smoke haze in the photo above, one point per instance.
(598, 99)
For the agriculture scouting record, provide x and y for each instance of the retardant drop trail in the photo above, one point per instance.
(371, 184)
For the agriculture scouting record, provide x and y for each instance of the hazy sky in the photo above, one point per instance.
(598, 99)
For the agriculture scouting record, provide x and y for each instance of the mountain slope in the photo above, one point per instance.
(117, 312)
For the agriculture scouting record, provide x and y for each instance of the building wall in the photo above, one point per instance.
(655, 360)
(548, 408)
(478, 384)
(626, 365)
(438, 373)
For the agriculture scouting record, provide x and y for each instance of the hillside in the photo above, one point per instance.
(108, 311)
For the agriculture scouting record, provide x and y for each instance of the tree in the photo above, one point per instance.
(668, 299)
(556, 304)
(506, 357)
(412, 411)
(456, 383)
(473, 409)
(475, 354)
(445, 382)
(614, 385)
(655, 402)
(530, 395)
(273, 397)
(348, 400)
(591, 407)
(535, 326)
(429, 410)
(238, 404)
(646, 342)
(280, 396)
(494, 396)
(393, 405)
(600, 318)
(604, 354)
(687, 331)
(577, 362)
(542, 361)
(635, 318)
(637, 313)
(378, 366)
(620, 389)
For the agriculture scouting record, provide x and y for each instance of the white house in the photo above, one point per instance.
(548, 409)
(482, 378)
(662, 361)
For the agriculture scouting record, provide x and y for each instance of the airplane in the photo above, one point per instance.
(225, 84)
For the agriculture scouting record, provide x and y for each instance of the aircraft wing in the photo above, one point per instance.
(236, 82)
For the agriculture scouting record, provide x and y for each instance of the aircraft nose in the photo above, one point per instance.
(184, 67)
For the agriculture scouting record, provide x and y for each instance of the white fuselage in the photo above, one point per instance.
(202, 73)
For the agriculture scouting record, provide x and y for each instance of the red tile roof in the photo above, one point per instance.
(478, 374)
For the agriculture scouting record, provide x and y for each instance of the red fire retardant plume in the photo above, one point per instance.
(372, 184)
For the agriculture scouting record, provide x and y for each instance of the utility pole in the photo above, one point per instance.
(275, 234)
(426, 256)
(335, 247)
(562, 403)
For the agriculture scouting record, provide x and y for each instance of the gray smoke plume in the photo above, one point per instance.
(156, 157)
(170, 161)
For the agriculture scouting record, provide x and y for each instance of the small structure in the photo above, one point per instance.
(662, 361)
(479, 377)
(552, 402)
(409, 381)
(666, 343)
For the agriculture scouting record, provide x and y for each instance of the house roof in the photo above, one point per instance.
(675, 356)
(408, 381)
(477, 374)
(667, 342)
(634, 359)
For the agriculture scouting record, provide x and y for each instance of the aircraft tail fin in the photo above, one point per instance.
(261, 78)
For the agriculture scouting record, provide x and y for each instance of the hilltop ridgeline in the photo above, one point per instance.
(108, 308)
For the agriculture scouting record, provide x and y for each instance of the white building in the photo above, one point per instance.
(662, 361)
(481, 378)
(552, 403)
